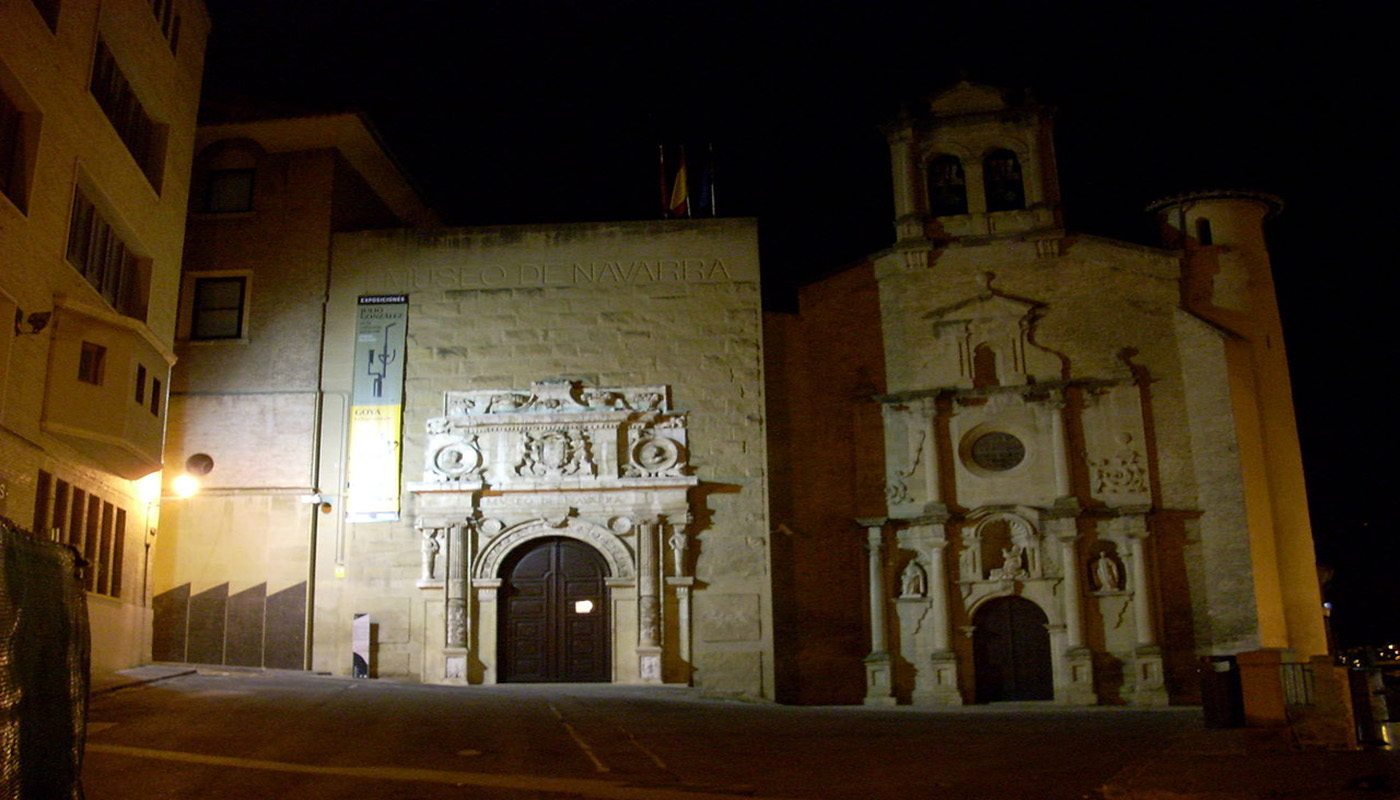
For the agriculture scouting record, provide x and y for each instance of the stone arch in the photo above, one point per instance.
(615, 553)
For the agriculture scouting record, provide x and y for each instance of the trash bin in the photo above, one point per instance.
(1221, 698)
(1368, 705)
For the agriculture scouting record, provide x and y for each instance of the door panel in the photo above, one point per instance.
(554, 614)
(1011, 651)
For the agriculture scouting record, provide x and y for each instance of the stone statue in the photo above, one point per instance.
(679, 542)
(1107, 576)
(431, 547)
(912, 582)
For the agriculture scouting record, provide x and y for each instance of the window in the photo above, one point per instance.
(17, 131)
(217, 312)
(95, 250)
(168, 20)
(1204, 236)
(92, 363)
(1001, 173)
(48, 9)
(94, 526)
(141, 135)
(155, 396)
(228, 190)
(947, 186)
(140, 384)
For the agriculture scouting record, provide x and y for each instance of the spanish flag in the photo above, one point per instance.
(679, 205)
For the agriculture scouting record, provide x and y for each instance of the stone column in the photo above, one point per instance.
(1150, 682)
(879, 684)
(1078, 672)
(458, 537)
(1058, 405)
(681, 582)
(648, 603)
(942, 686)
(908, 221)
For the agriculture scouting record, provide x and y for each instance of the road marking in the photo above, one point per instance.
(582, 787)
(598, 765)
(655, 759)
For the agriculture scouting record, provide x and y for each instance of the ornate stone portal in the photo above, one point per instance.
(508, 468)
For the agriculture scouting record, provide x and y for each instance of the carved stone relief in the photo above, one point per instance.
(1124, 472)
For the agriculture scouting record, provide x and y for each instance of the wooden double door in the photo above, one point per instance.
(1011, 651)
(554, 614)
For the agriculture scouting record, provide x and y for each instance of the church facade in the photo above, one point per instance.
(996, 461)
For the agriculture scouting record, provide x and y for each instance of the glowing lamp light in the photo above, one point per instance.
(185, 485)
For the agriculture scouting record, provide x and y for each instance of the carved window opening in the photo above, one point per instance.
(984, 367)
(1204, 236)
(947, 186)
(997, 451)
(1001, 171)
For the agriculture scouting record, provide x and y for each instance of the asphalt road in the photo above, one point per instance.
(258, 737)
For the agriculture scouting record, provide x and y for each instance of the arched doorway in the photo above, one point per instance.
(554, 614)
(1011, 651)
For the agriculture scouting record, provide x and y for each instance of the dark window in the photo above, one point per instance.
(96, 250)
(1001, 173)
(12, 151)
(947, 186)
(1203, 233)
(135, 127)
(217, 312)
(59, 520)
(998, 451)
(140, 384)
(75, 518)
(48, 9)
(92, 363)
(984, 367)
(228, 190)
(155, 396)
(118, 548)
(41, 504)
(92, 541)
(169, 21)
(104, 553)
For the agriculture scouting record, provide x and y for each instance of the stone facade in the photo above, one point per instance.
(97, 123)
(1078, 500)
(634, 348)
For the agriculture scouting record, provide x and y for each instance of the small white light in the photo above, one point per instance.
(583, 606)
(185, 485)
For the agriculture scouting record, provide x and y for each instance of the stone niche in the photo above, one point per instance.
(560, 461)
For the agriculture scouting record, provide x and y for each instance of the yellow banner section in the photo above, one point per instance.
(373, 469)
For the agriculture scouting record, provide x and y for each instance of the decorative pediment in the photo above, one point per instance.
(986, 340)
(559, 434)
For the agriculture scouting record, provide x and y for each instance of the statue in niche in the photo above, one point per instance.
(431, 547)
(679, 542)
(1108, 577)
(1013, 564)
(913, 583)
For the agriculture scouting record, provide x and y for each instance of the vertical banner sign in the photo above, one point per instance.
(376, 409)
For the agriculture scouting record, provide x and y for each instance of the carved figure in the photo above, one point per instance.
(1107, 576)
(679, 542)
(912, 582)
(431, 547)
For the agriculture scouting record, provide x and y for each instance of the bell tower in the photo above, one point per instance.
(974, 162)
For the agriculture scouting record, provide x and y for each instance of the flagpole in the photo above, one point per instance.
(665, 204)
(714, 194)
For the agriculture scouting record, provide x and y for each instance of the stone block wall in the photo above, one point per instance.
(614, 304)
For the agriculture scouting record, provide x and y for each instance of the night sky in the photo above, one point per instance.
(521, 112)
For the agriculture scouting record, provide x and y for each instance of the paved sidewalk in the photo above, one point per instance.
(103, 682)
(1256, 764)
